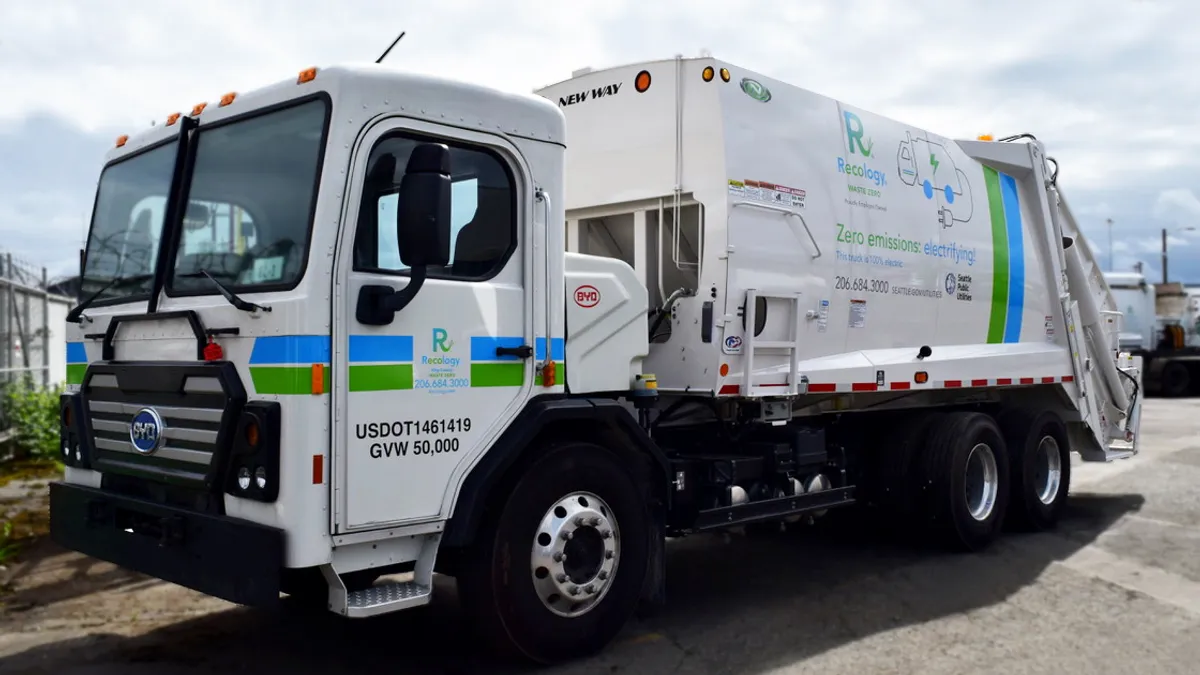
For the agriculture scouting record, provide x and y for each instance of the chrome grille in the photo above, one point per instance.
(192, 407)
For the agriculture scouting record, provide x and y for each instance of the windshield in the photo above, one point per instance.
(127, 224)
(250, 202)
(249, 210)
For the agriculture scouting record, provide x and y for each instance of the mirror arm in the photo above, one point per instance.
(378, 304)
(400, 299)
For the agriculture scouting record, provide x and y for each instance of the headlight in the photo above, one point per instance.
(253, 466)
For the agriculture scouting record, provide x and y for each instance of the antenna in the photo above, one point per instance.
(389, 49)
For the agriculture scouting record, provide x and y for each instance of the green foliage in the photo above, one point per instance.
(7, 548)
(32, 411)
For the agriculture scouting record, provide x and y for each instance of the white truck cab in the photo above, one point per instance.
(359, 327)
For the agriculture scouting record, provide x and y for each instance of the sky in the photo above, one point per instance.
(1106, 84)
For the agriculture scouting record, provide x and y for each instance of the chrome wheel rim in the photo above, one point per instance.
(982, 482)
(575, 553)
(1047, 470)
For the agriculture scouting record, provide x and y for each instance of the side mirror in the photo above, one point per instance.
(423, 207)
(422, 232)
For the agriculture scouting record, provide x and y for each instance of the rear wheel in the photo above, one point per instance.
(966, 472)
(1041, 467)
(1176, 379)
(562, 565)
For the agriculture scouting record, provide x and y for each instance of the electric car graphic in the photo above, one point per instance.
(926, 163)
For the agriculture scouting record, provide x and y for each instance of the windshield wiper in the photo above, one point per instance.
(244, 305)
(76, 314)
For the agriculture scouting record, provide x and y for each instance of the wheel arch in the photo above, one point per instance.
(543, 421)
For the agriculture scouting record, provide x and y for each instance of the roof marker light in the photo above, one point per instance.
(172, 118)
(228, 98)
(307, 75)
(642, 82)
(122, 140)
(985, 137)
(708, 73)
(198, 108)
(725, 74)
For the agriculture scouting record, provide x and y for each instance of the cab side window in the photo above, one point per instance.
(483, 223)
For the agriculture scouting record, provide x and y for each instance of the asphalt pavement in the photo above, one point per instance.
(1116, 589)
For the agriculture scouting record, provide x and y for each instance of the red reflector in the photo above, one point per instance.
(318, 475)
(213, 352)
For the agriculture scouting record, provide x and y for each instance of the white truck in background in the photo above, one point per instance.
(361, 324)
(1160, 324)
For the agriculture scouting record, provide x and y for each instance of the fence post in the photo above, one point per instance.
(45, 328)
(10, 312)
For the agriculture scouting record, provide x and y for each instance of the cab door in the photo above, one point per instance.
(417, 400)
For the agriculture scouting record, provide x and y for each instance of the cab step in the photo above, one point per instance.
(387, 597)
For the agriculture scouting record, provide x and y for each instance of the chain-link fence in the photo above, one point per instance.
(32, 328)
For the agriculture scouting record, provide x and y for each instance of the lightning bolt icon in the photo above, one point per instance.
(933, 162)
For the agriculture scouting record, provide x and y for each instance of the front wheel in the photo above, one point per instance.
(561, 568)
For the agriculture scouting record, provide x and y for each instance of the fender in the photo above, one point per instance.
(538, 415)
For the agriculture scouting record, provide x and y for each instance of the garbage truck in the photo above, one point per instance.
(1161, 325)
(360, 328)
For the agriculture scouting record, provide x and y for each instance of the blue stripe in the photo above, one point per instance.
(558, 349)
(76, 353)
(484, 348)
(381, 348)
(283, 349)
(1016, 258)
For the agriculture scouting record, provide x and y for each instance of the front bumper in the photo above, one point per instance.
(231, 559)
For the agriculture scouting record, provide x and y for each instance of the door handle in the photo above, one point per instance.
(524, 351)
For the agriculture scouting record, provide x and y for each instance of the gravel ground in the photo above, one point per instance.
(1115, 590)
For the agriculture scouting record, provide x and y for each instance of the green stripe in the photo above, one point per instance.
(497, 374)
(390, 377)
(284, 379)
(75, 372)
(999, 257)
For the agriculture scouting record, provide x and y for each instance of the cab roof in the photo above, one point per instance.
(378, 87)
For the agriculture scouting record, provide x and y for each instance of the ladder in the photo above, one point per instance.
(753, 346)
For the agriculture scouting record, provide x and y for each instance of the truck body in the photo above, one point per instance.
(1161, 325)
(360, 327)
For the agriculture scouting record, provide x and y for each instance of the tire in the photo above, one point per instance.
(1040, 482)
(959, 444)
(498, 583)
(1176, 379)
(900, 476)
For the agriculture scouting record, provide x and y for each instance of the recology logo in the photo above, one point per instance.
(857, 145)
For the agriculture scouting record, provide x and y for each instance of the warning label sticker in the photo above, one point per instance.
(767, 193)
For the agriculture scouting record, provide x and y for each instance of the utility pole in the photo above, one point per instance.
(1164, 255)
(1164, 249)
(1110, 244)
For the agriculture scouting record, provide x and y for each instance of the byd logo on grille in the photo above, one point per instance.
(587, 296)
(146, 431)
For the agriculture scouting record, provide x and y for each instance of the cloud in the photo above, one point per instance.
(1106, 84)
